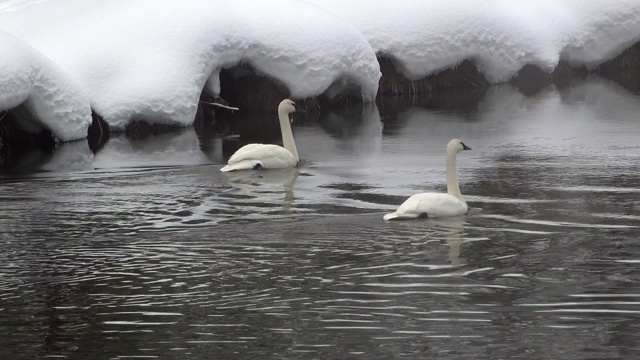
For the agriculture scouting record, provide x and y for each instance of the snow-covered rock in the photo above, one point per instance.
(49, 98)
(151, 59)
(499, 36)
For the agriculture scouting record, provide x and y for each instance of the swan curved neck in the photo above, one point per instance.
(287, 135)
(452, 178)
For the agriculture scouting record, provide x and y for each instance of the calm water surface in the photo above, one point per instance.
(145, 250)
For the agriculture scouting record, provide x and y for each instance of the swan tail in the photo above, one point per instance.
(396, 216)
(390, 216)
(242, 165)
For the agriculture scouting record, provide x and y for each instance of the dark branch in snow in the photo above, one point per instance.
(218, 104)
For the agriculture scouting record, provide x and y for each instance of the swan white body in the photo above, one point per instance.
(435, 205)
(269, 156)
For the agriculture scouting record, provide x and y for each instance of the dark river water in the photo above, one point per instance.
(146, 250)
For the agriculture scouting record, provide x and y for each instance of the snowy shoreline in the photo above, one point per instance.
(123, 61)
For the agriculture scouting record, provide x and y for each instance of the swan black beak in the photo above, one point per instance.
(464, 147)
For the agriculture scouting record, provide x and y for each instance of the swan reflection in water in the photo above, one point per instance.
(449, 230)
(265, 186)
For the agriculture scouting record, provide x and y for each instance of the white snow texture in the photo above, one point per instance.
(151, 59)
(47, 96)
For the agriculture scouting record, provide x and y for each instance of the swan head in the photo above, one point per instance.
(288, 106)
(456, 145)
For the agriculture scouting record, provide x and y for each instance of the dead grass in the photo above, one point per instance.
(624, 69)
(462, 76)
(3, 138)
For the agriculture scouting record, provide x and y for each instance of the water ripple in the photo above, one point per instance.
(171, 261)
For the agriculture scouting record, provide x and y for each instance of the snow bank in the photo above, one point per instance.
(51, 100)
(499, 36)
(151, 58)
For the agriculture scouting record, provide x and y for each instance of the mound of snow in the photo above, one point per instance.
(151, 58)
(499, 36)
(50, 99)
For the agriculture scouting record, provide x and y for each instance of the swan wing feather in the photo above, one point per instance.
(430, 204)
(249, 164)
(268, 156)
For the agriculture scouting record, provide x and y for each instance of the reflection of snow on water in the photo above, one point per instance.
(173, 149)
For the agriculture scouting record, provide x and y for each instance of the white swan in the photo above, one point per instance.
(437, 204)
(269, 156)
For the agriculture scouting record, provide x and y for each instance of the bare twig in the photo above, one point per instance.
(101, 131)
(2, 140)
(220, 105)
